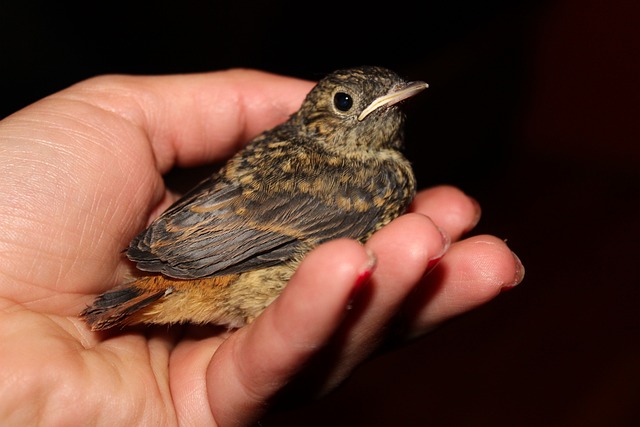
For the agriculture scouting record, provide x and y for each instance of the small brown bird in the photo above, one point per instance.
(224, 252)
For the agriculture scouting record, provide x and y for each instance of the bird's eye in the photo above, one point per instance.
(342, 101)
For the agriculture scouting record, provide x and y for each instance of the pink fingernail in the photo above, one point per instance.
(518, 277)
(446, 242)
(477, 216)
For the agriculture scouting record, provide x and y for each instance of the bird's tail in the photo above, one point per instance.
(116, 307)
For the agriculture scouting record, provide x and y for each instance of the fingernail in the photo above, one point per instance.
(519, 276)
(367, 270)
(446, 242)
(477, 215)
(364, 276)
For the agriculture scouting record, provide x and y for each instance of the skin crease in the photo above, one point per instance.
(82, 174)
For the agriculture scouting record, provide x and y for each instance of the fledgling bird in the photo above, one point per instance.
(223, 252)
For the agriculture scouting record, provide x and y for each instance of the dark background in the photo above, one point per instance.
(532, 109)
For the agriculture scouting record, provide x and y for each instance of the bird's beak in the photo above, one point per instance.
(394, 97)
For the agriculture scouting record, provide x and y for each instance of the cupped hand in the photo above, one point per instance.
(82, 173)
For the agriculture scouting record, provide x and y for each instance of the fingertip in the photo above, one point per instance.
(518, 274)
(494, 264)
(473, 272)
(407, 247)
(450, 208)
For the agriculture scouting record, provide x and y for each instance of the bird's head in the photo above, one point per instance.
(356, 109)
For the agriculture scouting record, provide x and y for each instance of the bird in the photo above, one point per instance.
(225, 250)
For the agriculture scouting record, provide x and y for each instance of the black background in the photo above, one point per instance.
(532, 109)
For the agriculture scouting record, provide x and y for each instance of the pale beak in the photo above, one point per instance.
(393, 97)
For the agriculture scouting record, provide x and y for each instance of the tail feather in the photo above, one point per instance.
(115, 308)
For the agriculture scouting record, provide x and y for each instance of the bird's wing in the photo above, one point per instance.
(220, 229)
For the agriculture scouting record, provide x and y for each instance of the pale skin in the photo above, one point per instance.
(82, 174)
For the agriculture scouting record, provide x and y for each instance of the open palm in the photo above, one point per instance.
(82, 174)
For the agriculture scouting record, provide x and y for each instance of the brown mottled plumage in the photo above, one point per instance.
(225, 251)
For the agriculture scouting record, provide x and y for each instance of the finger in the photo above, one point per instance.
(197, 118)
(449, 207)
(259, 360)
(472, 272)
(405, 249)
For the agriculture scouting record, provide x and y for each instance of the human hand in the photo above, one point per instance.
(82, 174)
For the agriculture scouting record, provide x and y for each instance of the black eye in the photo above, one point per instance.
(342, 101)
